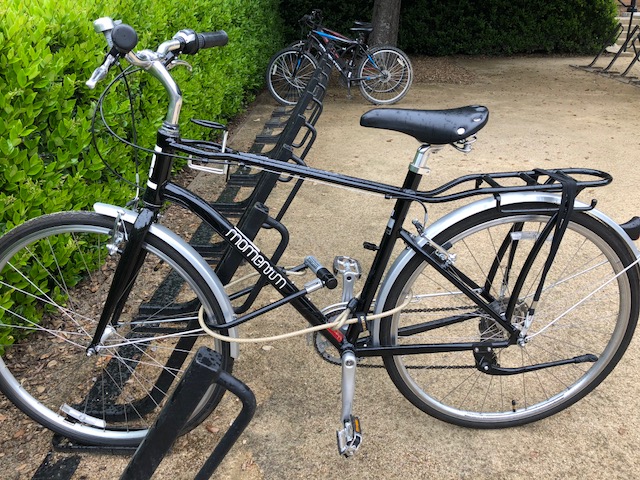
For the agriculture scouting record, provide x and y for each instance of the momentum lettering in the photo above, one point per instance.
(253, 255)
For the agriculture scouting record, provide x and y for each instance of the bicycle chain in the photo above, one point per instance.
(438, 309)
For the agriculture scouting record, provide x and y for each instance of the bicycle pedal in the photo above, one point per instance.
(350, 437)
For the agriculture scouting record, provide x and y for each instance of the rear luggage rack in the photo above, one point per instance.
(538, 180)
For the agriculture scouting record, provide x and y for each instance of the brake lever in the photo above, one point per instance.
(179, 63)
(103, 25)
(100, 72)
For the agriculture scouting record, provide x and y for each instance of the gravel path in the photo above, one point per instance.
(543, 113)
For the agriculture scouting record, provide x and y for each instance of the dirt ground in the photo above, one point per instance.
(543, 114)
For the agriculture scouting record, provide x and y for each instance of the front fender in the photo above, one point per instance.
(189, 253)
(471, 209)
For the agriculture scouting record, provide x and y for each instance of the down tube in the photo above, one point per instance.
(251, 253)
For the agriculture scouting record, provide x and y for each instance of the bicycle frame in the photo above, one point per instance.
(161, 190)
(353, 50)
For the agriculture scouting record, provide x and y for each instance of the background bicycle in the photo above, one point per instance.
(384, 74)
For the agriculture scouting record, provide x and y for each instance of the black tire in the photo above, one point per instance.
(578, 314)
(288, 74)
(386, 75)
(55, 272)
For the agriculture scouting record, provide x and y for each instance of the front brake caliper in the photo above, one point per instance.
(118, 236)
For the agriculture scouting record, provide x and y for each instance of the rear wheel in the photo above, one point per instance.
(386, 75)
(55, 272)
(288, 74)
(585, 312)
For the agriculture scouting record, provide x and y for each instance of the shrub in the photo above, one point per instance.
(445, 27)
(48, 49)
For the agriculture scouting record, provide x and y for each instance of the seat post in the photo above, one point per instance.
(419, 163)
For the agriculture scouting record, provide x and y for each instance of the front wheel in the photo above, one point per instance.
(288, 74)
(55, 273)
(385, 75)
(588, 309)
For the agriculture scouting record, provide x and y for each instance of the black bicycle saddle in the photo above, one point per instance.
(434, 127)
(358, 26)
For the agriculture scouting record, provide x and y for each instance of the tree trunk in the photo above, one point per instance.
(386, 22)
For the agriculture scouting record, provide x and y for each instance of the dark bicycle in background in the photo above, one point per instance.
(384, 74)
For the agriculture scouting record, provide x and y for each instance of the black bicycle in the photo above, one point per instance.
(384, 74)
(503, 312)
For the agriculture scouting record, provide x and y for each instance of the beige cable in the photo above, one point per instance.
(336, 324)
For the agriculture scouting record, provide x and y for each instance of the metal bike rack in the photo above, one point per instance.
(297, 133)
(289, 130)
(204, 370)
(631, 43)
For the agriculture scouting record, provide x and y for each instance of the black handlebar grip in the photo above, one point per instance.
(124, 38)
(191, 42)
(213, 39)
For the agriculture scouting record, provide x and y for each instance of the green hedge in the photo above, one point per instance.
(446, 27)
(48, 49)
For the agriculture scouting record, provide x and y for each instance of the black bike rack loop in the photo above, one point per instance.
(204, 370)
(292, 131)
(298, 132)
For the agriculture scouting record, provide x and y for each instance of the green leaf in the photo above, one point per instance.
(21, 78)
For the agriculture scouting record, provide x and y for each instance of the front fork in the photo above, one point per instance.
(133, 256)
(131, 260)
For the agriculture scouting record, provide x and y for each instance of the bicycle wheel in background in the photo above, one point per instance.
(386, 74)
(55, 272)
(288, 74)
(584, 311)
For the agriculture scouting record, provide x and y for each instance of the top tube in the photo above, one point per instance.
(335, 36)
(485, 184)
(459, 188)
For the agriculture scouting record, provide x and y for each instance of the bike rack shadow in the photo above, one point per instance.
(204, 370)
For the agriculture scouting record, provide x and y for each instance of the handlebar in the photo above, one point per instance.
(313, 20)
(122, 39)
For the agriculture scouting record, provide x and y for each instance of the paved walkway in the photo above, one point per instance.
(543, 114)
